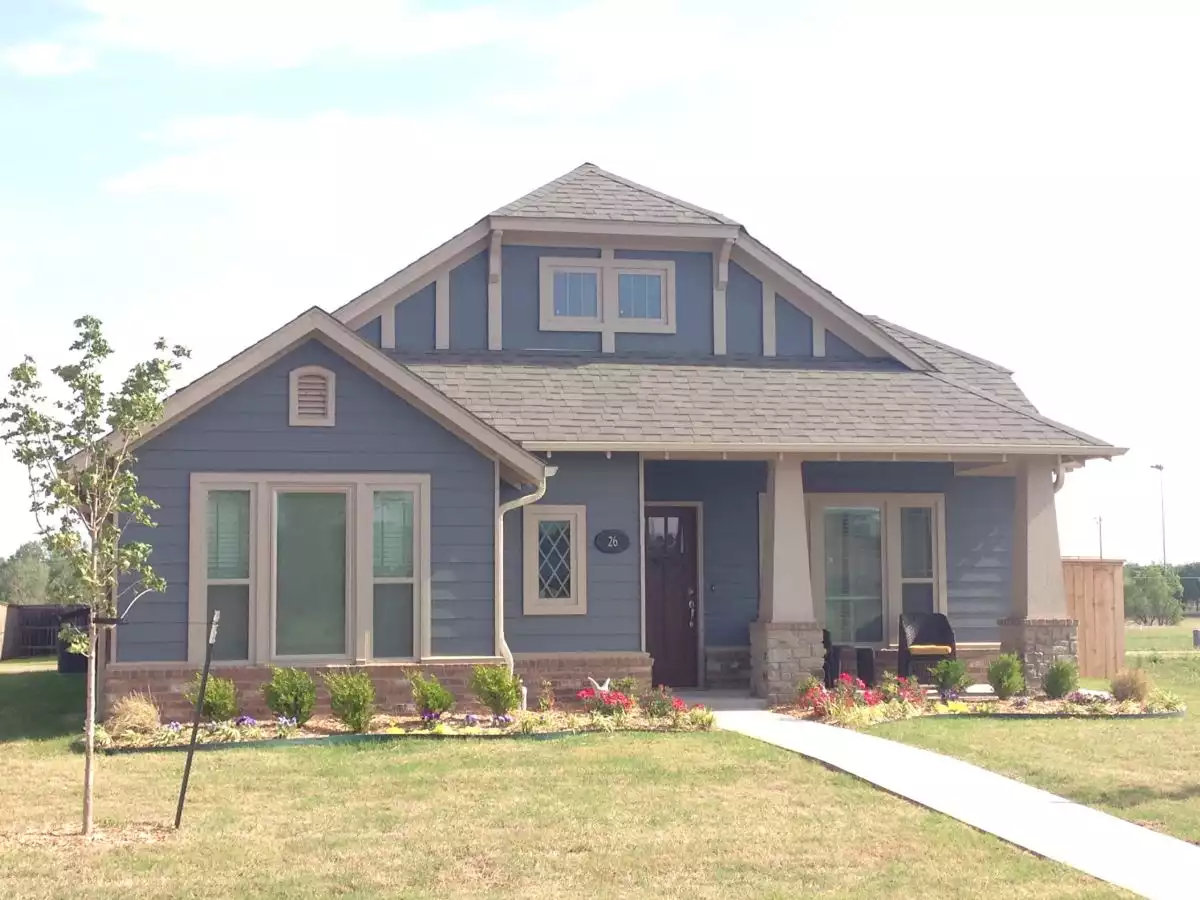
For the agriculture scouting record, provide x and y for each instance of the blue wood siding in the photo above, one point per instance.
(836, 348)
(415, 320)
(246, 430)
(371, 332)
(979, 544)
(521, 318)
(609, 490)
(743, 313)
(729, 492)
(468, 304)
(793, 331)
(877, 477)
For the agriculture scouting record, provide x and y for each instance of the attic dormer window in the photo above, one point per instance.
(311, 391)
(610, 295)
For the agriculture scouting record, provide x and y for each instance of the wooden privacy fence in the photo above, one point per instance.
(1096, 600)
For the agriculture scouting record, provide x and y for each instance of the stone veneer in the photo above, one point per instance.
(781, 654)
(727, 668)
(568, 672)
(1038, 642)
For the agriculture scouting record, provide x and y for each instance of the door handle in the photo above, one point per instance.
(691, 612)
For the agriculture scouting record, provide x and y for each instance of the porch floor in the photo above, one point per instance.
(722, 700)
(1103, 846)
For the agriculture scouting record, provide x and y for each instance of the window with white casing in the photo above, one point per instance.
(608, 295)
(306, 566)
(554, 540)
(312, 393)
(875, 556)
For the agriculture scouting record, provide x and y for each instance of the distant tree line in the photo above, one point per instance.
(32, 576)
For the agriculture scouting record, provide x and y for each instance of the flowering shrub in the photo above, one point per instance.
(546, 699)
(291, 693)
(606, 703)
(660, 703)
(430, 696)
(949, 677)
(892, 687)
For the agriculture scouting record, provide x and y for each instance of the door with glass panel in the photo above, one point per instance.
(854, 582)
(310, 569)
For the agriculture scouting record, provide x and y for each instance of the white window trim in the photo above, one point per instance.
(360, 577)
(294, 418)
(607, 320)
(576, 604)
(893, 583)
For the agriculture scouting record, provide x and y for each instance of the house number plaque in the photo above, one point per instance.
(612, 540)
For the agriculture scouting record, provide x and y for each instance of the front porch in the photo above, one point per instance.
(748, 561)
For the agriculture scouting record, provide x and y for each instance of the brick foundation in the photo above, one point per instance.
(568, 672)
(781, 654)
(1038, 642)
(727, 668)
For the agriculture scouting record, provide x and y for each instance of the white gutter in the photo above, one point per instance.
(500, 511)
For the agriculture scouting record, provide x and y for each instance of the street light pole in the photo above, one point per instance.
(1162, 505)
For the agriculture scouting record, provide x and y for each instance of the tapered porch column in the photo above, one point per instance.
(1039, 629)
(785, 642)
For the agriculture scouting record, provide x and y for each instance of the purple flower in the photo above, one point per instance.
(285, 721)
(174, 727)
(246, 721)
(501, 721)
(430, 716)
(471, 719)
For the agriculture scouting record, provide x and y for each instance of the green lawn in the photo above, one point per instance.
(1146, 771)
(687, 815)
(1160, 637)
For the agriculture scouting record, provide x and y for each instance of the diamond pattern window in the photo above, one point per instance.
(555, 560)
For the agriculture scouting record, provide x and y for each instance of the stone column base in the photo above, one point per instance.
(781, 654)
(1038, 642)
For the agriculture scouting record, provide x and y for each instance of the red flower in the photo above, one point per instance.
(586, 694)
(677, 704)
(846, 677)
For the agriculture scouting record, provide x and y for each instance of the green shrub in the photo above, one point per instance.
(546, 699)
(950, 675)
(661, 703)
(430, 696)
(1164, 701)
(701, 718)
(352, 698)
(1131, 684)
(220, 697)
(497, 689)
(1006, 675)
(291, 693)
(1060, 679)
(627, 685)
(134, 713)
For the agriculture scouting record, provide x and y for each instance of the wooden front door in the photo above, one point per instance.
(672, 595)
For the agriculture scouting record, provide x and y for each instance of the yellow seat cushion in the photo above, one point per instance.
(929, 649)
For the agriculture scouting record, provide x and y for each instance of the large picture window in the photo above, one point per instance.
(875, 556)
(307, 566)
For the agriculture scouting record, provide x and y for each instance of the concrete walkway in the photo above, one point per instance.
(1138, 859)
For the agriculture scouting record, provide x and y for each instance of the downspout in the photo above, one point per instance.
(537, 495)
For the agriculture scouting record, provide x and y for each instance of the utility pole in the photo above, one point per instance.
(1100, 533)
(1162, 505)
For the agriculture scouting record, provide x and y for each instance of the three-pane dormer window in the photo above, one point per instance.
(311, 396)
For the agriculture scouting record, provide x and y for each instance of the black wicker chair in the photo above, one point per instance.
(833, 664)
(926, 638)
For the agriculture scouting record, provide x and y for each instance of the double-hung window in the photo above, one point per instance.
(875, 556)
(554, 540)
(228, 570)
(608, 295)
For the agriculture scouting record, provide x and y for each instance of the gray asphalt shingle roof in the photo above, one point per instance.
(567, 397)
(589, 192)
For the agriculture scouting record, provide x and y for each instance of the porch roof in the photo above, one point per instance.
(546, 399)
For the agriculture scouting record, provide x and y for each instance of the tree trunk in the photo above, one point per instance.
(89, 729)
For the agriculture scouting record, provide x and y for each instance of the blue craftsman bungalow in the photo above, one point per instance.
(601, 431)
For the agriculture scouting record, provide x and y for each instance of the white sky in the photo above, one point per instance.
(1023, 187)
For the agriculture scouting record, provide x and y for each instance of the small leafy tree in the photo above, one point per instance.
(77, 448)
